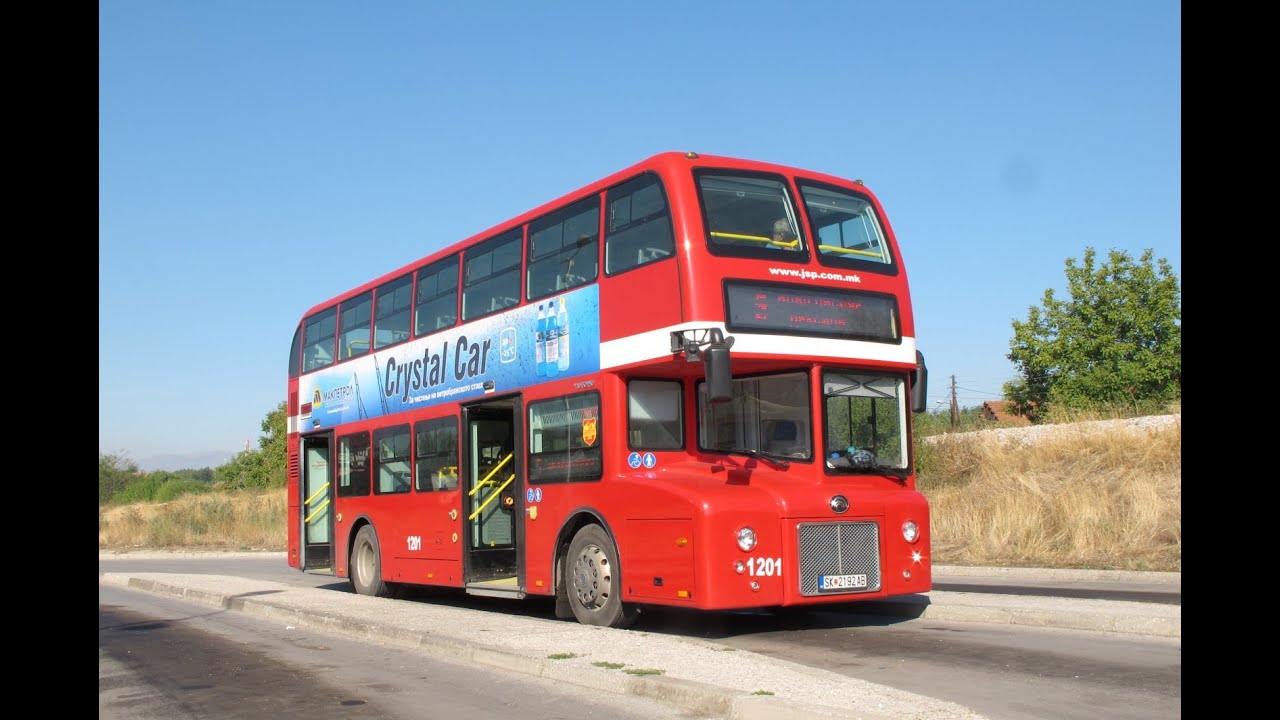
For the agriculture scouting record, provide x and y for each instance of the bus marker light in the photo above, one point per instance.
(739, 567)
(691, 155)
(682, 594)
(681, 542)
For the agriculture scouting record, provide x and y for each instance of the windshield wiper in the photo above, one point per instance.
(886, 470)
(775, 463)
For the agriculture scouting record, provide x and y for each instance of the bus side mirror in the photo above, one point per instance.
(919, 384)
(715, 362)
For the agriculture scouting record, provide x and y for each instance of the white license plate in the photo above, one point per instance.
(842, 582)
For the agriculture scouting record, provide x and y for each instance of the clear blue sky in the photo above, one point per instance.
(256, 158)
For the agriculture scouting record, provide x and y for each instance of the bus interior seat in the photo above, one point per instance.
(782, 436)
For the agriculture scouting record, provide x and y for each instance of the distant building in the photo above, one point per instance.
(1002, 411)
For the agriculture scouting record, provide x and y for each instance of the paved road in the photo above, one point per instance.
(697, 675)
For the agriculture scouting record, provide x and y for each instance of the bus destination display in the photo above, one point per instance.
(849, 314)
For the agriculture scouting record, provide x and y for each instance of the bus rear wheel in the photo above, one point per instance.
(365, 566)
(594, 583)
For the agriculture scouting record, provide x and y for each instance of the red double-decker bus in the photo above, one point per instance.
(690, 383)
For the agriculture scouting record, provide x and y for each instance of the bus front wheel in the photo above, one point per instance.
(594, 584)
(366, 565)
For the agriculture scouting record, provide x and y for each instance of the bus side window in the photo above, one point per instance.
(491, 272)
(654, 417)
(393, 470)
(436, 306)
(639, 230)
(563, 248)
(436, 454)
(320, 333)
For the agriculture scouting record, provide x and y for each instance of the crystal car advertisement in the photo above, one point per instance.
(504, 352)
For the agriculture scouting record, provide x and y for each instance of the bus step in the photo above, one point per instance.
(499, 587)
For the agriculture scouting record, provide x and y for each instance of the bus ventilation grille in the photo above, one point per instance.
(846, 548)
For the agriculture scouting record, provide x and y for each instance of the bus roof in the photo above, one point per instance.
(665, 163)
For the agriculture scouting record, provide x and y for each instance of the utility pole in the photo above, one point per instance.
(955, 407)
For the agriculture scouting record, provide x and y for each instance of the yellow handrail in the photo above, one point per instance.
(758, 238)
(850, 251)
(489, 499)
(317, 493)
(323, 505)
(492, 472)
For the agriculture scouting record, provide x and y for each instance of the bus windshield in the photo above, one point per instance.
(768, 415)
(866, 416)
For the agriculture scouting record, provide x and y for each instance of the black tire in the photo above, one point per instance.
(593, 580)
(364, 568)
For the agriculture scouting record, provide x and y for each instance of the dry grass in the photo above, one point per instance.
(1102, 500)
(214, 521)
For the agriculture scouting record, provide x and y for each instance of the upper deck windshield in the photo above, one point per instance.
(750, 215)
(845, 223)
(864, 419)
(755, 215)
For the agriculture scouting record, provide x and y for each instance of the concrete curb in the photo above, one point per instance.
(1111, 616)
(1056, 574)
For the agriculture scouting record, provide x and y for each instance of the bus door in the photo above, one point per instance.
(317, 502)
(492, 484)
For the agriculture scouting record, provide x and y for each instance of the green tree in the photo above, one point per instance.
(115, 472)
(1115, 341)
(261, 468)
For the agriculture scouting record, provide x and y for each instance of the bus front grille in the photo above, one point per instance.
(846, 553)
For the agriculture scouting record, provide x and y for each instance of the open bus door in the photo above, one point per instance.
(316, 502)
(493, 481)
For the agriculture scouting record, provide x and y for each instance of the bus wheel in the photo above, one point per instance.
(366, 565)
(594, 585)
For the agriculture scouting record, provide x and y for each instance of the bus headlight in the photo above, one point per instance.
(747, 539)
(910, 531)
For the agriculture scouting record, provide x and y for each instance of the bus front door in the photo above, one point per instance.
(492, 483)
(317, 503)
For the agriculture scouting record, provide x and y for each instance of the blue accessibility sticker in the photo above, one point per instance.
(650, 460)
(634, 460)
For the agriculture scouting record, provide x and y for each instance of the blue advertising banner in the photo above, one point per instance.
(511, 350)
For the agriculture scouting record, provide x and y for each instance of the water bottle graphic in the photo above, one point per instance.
(562, 322)
(540, 343)
(552, 354)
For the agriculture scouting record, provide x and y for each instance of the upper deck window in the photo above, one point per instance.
(437, 305)
(491, 276)
(391, 312)
(849, 233)
(639, 229)
(750, 216)
(354, 316)
(319, 333)
(563, 248)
